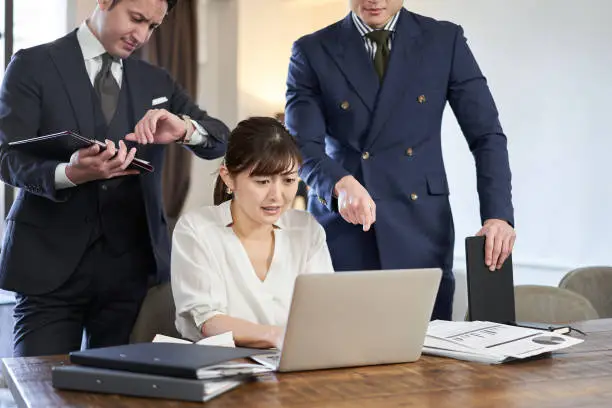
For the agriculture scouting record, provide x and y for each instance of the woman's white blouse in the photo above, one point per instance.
(212, 274)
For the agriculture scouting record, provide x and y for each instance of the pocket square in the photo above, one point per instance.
(159, 100)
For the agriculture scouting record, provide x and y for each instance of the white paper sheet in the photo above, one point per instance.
(225, 340)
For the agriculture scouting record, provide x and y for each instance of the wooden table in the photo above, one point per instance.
(580, 376)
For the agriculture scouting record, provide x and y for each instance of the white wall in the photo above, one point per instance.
(78, 11)
(548, 67)
(547, 63)
(267, 30)
(217, 85)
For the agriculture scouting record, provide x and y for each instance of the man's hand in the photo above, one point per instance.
(354, 202)
(159, 126)
(90, 164)
(499, 242)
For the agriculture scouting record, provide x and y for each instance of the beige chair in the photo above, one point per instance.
(549, 304)
(156, 315)
(595, 284)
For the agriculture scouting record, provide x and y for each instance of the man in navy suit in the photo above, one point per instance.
(86, 238)
(365, 98)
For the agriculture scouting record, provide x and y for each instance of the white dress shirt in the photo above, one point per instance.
(92, 51)
(212, 273)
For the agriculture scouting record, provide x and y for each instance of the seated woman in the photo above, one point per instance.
(234, 264)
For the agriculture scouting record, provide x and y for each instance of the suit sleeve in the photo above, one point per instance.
(305, 120)
(218, 132)
(471, 100)
(20, 112)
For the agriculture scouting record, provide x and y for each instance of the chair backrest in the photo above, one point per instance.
(156, 316)
(549, 304)
(595, 284)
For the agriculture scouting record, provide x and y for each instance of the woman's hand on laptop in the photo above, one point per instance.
(277, 336)
(499, 242)
(246, 334)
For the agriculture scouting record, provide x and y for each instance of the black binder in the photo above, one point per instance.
(61, 145)
(166, 359)
(121, 382)
(490, 294)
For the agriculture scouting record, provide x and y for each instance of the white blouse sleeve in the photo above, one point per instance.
(197, 285)
(319, 259)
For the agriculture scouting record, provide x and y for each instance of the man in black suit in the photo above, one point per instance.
(84, 239)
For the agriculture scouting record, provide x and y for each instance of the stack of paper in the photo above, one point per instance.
(489, 342)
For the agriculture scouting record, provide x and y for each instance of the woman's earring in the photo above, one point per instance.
(229, 190)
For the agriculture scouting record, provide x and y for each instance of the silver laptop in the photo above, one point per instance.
(360, 318)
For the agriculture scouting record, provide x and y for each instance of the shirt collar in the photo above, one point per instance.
(225, 214)
(364, 29)
(91, 47)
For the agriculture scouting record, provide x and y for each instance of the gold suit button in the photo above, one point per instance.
(322, 201)
(414, 197)
(345, 105)
(365, 155)
(409, 152)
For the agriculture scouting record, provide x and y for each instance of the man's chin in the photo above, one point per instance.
(122, 52)
(376, 23)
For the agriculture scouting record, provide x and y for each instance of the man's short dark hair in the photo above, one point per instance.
(171, 4)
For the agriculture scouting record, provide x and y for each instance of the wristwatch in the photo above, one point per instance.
(187, 137)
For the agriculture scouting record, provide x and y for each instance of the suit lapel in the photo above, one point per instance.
(349, 53)
(403, 64)
(139, 99)
(68, 58)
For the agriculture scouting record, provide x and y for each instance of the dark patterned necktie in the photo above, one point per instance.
(107, 88)
(381, 57)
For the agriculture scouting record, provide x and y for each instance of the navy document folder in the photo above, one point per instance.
(61, 145)
(165, 359)
(101, 380)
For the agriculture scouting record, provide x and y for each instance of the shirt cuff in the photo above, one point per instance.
(199, 135)
(61, 179)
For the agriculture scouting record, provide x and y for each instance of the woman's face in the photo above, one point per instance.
(263, 199)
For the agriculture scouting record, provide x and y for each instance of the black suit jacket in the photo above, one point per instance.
(46, 89)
